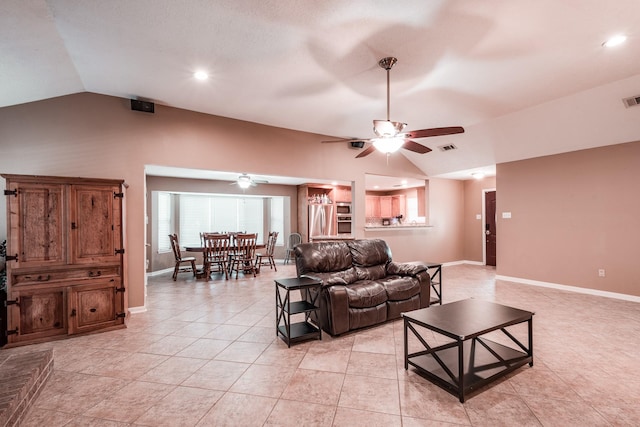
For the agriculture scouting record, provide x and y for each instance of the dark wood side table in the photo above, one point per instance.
(285, 308)
(436, 281)
(470, 361)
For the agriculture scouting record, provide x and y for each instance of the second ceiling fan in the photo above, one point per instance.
(390, 136)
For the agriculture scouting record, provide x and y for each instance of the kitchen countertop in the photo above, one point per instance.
(397, 227)
(337, 237)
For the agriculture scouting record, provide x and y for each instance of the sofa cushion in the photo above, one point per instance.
(343, 277)
(363, 317)
(400, 288)
(366, 253)
(374, 272)
(322, 257)
(366, 293)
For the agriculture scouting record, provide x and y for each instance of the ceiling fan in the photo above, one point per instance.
(244, 181)
(390, 136)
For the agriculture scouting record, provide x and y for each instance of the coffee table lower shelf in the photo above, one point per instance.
(481, 365)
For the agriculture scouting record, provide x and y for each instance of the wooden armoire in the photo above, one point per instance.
(65, 257)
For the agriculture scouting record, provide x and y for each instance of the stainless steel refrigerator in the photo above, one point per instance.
(322, 220)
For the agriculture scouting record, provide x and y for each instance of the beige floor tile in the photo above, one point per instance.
(131, 367)
(491, 408)
(183, 407)
(227, 332)
(427, 401)
(174, 370)
(346, 417)
(375, 344)
(373, 365)
(552, 412)
(43, 417)
(168, 345)
(204, 348)
(130, 402)
(235, 409)
(246, 352)
(314, 387)
(290, 413)
(330, 360)
(216, 375)
(263, 380)
(370, 394)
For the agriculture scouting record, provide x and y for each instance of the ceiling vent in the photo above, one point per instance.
(631, 102)
(448, 147)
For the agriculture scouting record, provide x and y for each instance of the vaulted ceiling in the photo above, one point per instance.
(525, 78)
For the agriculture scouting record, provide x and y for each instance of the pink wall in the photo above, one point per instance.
(572, 214)
(99, 136)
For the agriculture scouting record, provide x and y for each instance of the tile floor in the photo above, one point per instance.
(206, 354)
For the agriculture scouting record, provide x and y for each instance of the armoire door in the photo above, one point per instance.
(96, 220)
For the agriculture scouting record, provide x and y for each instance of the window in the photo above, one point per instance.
(218, 213)
(277, 218)
(164, 222)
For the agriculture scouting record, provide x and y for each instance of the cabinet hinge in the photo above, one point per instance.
(11, 332)
(121, 289)
(11, 257)
(119, 251)
(120, 195)
(12, 302)
(11, 193)
(121, 315)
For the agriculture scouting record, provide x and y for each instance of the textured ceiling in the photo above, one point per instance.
(525, 78)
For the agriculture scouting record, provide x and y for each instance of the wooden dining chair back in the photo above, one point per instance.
(180, 260)
(266, 257)
(294, 240)
(244, 254)
(216, 254)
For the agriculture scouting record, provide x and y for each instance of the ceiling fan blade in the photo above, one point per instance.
(346, 140)
(424, 133)
(415, 147)
(370, 149)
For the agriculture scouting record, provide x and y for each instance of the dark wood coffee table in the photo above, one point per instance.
(470, 361)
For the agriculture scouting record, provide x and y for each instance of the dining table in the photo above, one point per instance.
(200, 249)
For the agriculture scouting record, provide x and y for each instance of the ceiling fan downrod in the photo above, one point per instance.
(388, 63)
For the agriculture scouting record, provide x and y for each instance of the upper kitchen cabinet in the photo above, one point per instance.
(342, 194)
(64, 257)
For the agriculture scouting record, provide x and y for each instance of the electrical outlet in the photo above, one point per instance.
(601, 272)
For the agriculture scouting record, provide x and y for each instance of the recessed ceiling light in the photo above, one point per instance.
(477, 175)
(201, 75)
(615, 41)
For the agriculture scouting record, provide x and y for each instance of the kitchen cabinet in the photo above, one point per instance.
(385, 206)
(399, 205)
(341, 194)
(372, 205)
(64, 257)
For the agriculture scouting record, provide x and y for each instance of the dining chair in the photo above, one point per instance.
(294, 240)
(266, 258)
(243, 257)
(175, 246)
(216, 253)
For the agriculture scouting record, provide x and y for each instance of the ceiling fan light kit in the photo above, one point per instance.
(388, 145)
(244, 181)
(390, 137)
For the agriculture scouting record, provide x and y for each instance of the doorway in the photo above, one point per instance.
(489, 231)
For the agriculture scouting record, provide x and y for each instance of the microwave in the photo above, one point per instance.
(343, 208)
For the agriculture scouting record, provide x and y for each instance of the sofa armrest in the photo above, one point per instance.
(406, 268)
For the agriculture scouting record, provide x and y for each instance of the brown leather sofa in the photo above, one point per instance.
(361, 285)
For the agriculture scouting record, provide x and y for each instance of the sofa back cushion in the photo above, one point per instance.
(370, 258)
(322, 257)
(369, 252)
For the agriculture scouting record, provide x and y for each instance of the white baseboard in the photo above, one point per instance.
(159, 272)
(136, 310)
(577, 289)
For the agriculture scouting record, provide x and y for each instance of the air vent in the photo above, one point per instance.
(448, 147)
(631, 102)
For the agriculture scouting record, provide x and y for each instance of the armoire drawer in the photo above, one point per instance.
(42, 277)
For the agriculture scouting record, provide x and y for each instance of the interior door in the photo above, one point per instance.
(490, 227)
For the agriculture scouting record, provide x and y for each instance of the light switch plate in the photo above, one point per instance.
(506, 214)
